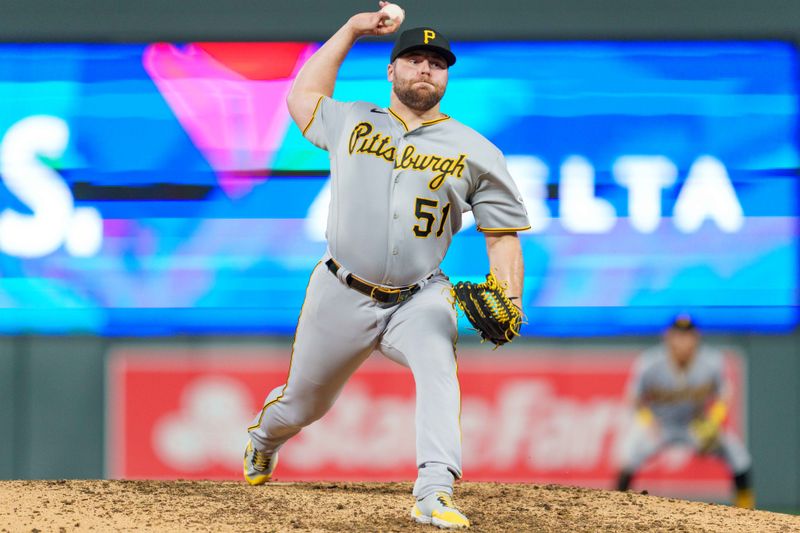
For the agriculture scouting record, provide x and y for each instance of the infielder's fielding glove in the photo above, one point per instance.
(705, 433)
(488, 309)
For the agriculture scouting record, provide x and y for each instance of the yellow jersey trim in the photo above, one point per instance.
(436, 120)
(501, 230)
(313, 115)
(427, 123)
(395, 115)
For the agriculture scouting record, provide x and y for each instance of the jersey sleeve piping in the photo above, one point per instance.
(502, 230)
(313, 115)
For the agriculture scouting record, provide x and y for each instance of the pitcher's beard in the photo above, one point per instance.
(418, 100)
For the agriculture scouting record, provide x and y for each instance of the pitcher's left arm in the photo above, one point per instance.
(506, 262)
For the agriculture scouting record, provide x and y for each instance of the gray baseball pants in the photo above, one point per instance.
(338, 329)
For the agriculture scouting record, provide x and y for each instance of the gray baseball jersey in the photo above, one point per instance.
(396, 201)
(397, 196)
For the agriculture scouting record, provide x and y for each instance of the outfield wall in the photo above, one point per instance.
(55, 392)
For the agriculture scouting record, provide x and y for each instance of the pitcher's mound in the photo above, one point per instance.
(361, 507)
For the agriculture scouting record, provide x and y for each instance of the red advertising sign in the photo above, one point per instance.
(554, 416)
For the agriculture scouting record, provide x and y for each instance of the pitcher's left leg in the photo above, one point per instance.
(421, 334)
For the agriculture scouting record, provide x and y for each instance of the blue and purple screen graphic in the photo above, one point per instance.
(163, 189)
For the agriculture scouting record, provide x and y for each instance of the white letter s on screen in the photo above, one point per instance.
(41, 189)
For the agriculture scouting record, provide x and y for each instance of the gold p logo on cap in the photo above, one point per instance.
(428, 35)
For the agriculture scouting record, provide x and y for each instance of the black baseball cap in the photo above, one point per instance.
(423, 39)
(683, 322)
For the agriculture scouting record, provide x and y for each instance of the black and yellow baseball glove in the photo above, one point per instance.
(489, 310)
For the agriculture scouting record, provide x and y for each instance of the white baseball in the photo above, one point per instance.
(394, 14)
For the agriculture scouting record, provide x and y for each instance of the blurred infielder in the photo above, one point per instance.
(681, 397)
(401, 176)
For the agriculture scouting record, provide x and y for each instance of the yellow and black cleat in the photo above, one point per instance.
(439, 510)
(258, 466)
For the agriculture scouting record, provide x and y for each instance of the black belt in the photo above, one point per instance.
(377, 293)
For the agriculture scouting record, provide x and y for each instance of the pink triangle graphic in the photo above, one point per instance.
(237, 122)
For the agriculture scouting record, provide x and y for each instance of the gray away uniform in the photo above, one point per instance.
(396, 201)
(675, 399)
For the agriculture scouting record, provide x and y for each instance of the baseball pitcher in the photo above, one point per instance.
(681, 397)
(401, 177)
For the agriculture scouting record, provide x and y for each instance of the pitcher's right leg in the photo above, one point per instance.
(421, 335)
(336, 332)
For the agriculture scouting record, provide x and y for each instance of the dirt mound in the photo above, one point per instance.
(232, 506)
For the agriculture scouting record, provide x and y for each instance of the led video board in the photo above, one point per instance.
(162, 189)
